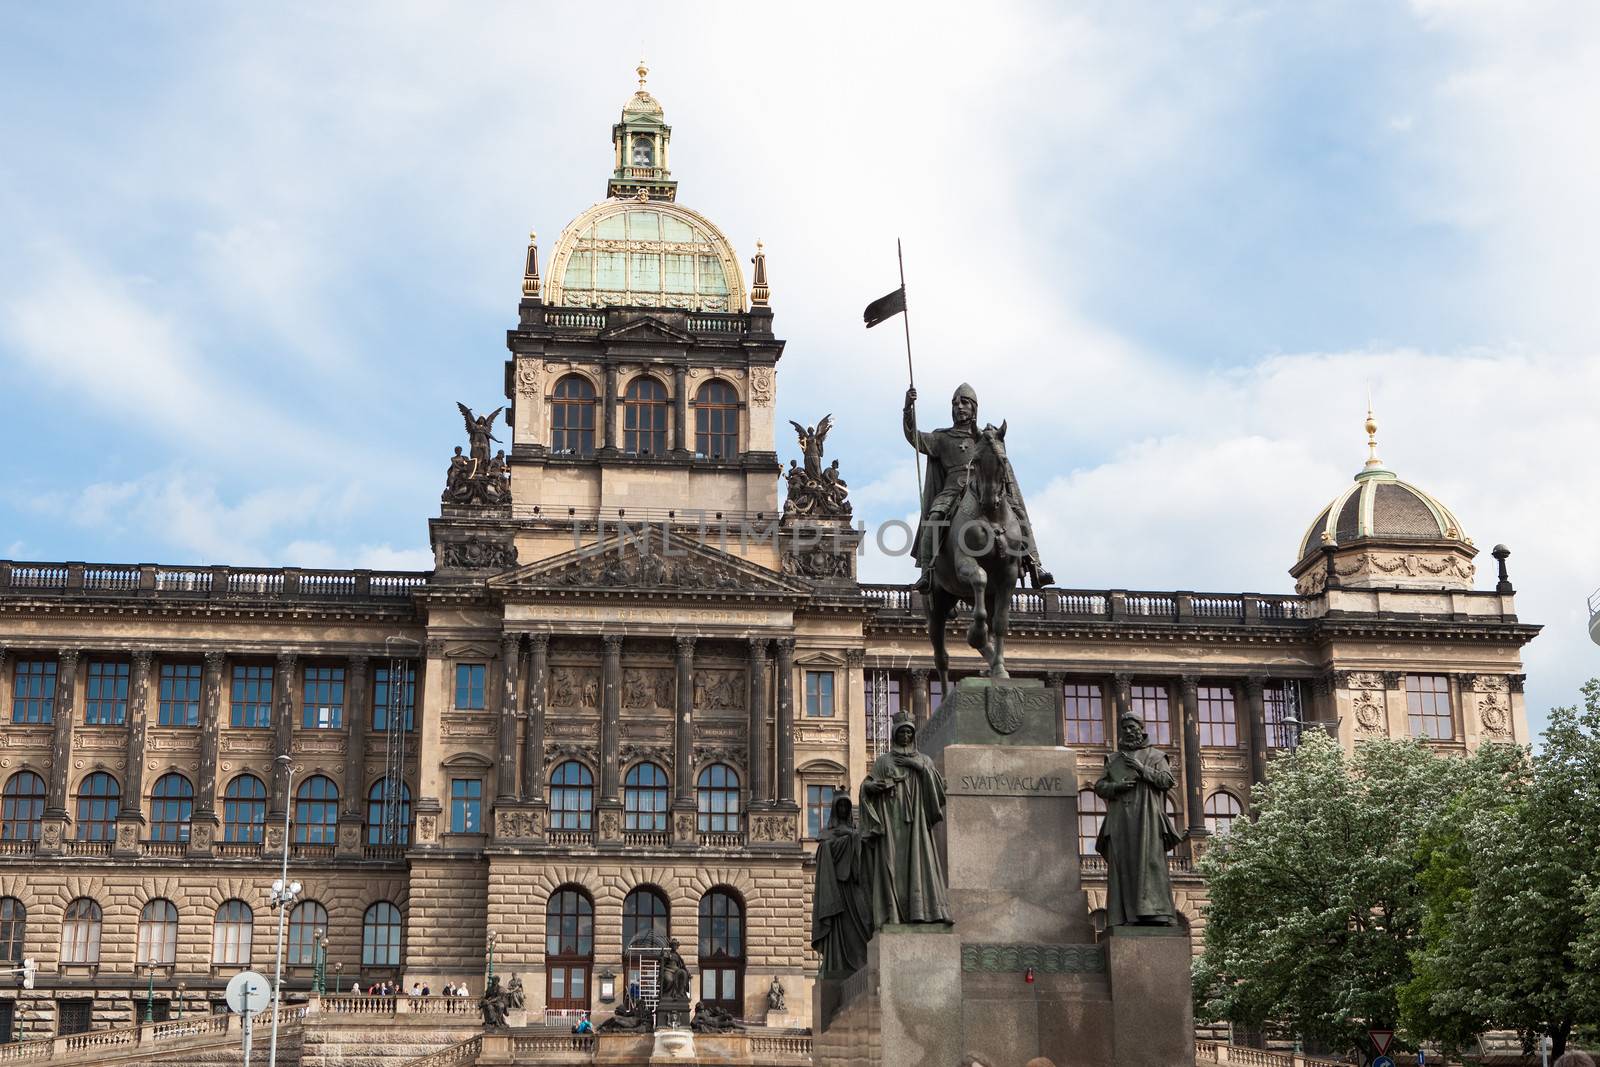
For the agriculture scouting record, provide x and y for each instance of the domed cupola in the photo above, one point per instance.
(1382, 532)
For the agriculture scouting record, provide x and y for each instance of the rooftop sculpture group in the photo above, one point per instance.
(475, 479)
(815, 491)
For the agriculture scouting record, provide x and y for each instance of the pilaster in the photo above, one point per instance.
(506, 771)
(758, 753)
(785, 721)
(1256, 716)
(62, 716)
(283, 679)
(1193, 781)
(683, 796)
(358, 716)
(203, 825)
(533, 737)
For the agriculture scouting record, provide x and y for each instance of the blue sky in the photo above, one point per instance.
(249, 259)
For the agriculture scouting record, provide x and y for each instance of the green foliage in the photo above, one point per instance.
(1316, 904)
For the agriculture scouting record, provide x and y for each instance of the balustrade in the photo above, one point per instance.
(734, 839)
(147, 580)
(167, 849)
(570, 837)
(647, 838)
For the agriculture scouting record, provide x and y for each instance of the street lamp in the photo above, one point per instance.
(283, 895)
(489, 972)
(319, 971)
(338, 976)
(150, 993)
(181, 987)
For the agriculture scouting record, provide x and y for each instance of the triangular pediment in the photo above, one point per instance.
(647, 329)
(648, 560)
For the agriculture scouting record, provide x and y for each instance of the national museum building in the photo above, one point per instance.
(622, 700)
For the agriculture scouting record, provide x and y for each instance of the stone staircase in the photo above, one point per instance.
(199, 1040)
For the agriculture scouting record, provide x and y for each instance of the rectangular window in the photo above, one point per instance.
(819, 808)
(819, 694)
(1219, 721)
(383, 698)
(1086, 714)
(1283, 715)
(252, 696)
(33, 691)
(74, 1016)
(466, 805)
(1428, 706)
(323, 706)
(105, 693)
(469, 686)
(1152, 704)
(180, 695)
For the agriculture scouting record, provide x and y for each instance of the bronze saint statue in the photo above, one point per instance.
(974, 539)
(841, 906)
(1137, 832)
(902, 800)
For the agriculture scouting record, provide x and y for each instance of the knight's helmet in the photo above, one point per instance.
(965, 390)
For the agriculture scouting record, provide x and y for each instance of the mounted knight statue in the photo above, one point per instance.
(974, 539)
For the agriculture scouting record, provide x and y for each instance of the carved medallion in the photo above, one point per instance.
(1003, 708)
(1495, 714)
(1369, 715)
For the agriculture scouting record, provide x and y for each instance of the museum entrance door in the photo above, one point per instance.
(568, 950)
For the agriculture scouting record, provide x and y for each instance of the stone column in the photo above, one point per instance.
(1058, 700)
(533, 739)
(5, 684)
(358, 716)
(138, 728)
(505, 774)
(610, 713)
(759, 794)
(283, 679)
(62, 717)
(205, 801)
(919, 696)
(1122, 699)
(1256, 715)
(610, 413)
(1194, 784)
(785, 723)
(680, 412)
(683, 726)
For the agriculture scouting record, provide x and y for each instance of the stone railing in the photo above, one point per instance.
(797, 1046)
(73, 847)
(23, 846)
(1115, 604)
(136, 1041)
(466, 1052)
(526, 1044)
(731, 839)
(207, 583)
(1094, 866)
(167, 849)
(364, 1004)
(569, 837)
(237, 849)
(647, 838)
(1216, 1052)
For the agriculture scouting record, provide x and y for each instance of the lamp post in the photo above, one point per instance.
(319, 972)
(338, 976)
(489, 971)
(150, 993)
(181, 987)
(282, 894)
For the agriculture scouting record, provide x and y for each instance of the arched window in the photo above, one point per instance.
(644, 417)
(306, 921)
(380, 936)
(171, 808)
(13, 929)
(244, 810)
(716, 420)
(722, 951)
(232, 934)
(644, 800)
(644, 152)
(158, 933)
(1091, 815)
(644, 909)
(99, 798)
(568, 949)
(1221, 810)
(717, 797)
(80, 932)
(316, 811)
(22, 807)
(382, 829)
(572, 797)
(572, 417)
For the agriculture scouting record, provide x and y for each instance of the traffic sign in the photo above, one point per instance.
(1381, 1040)
(1422, 1058)
(248, 992)
(1383, 1061)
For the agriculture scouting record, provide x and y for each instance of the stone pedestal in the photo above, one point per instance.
(1152, 1005)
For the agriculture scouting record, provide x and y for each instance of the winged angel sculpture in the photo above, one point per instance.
(814, 490)
(475, 478)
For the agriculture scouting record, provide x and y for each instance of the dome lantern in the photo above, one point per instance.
(640, 143)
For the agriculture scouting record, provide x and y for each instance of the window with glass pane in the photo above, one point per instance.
(1220, 810)
(644, 799)
(171, 808)
(13, 929)
(1219, 720)
(380, 936)
(466, 805)
(1428, 706)
(180, 694)
(306, 920)
(158, 933)
(718, 799)
(644, 418)
(716, 421)
(572, 415)
(722, 950)
(819, 694)
(23, 807)
(643, 911)
(105, 693)
(232, 934)
(80, 932)
(99, 799)
(1282, 709)
(1153, 704)
(572, 797)
(381, 829)
(252, 696)
(33, 691)
(316, 811)
(469, 686)
(244, 810)
(569, 949)
(1085, 714)
(1091, 816)
(323, 704)
(383, 698)
(819, 808)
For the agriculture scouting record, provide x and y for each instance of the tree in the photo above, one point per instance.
(1315, 905)
(1512, 935)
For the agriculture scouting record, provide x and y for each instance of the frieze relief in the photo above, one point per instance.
(704, 754)
(647, 687)
(772, 828)
(642, 564)
(1358, 679)
(559, 753)
(1490, 683)
(574, 687)
(513, 823)
(716, 690)
(661, 754)
(761, 385)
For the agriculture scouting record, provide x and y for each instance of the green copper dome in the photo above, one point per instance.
(644, 253)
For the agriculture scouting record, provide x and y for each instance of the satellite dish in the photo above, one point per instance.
(248, 991)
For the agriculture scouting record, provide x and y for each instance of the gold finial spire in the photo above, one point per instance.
(1373, 462)
(642, 71)
(760, 292)
(530, 272)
